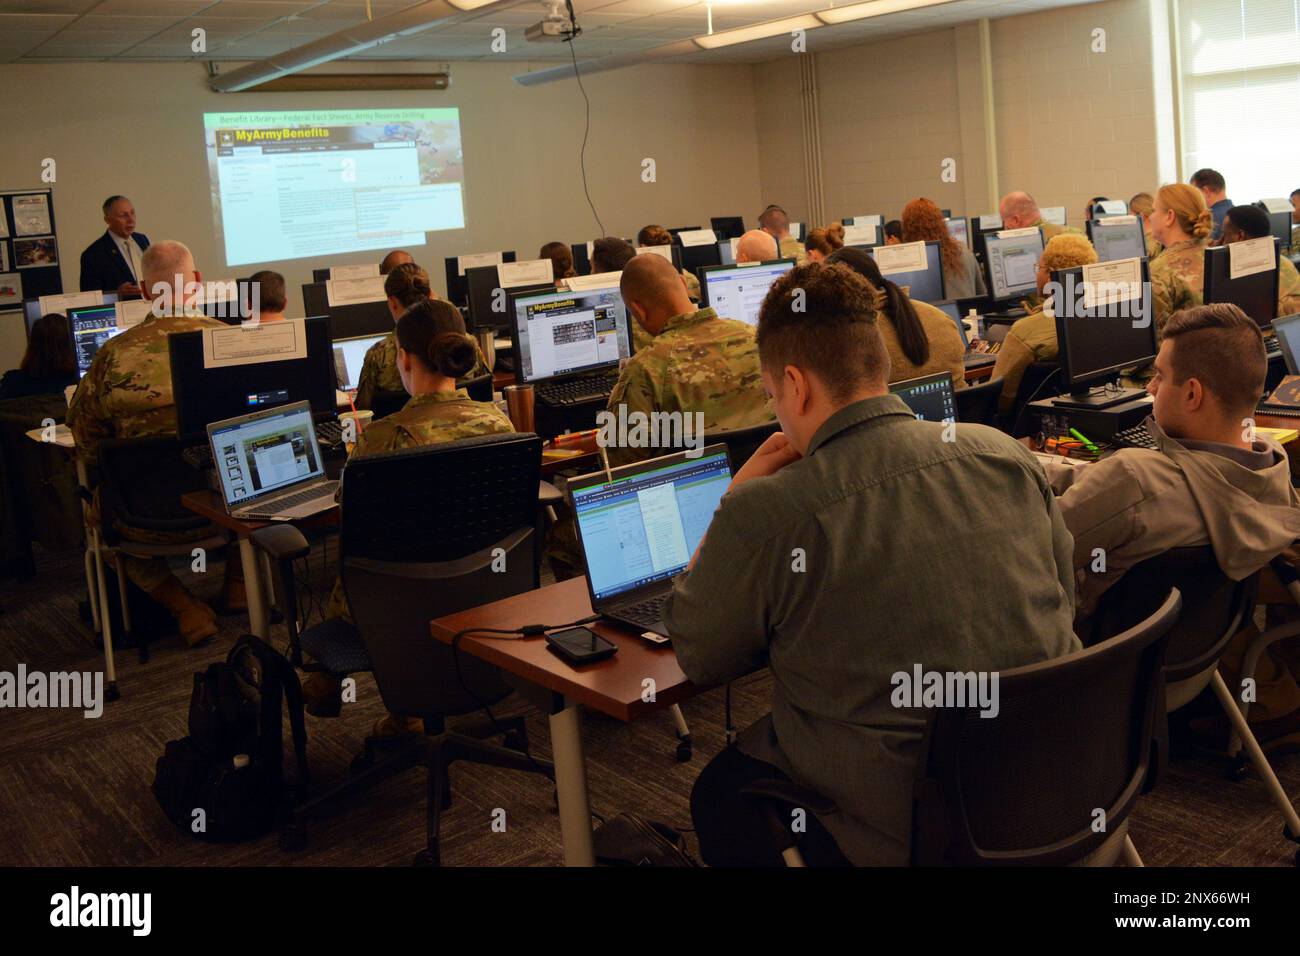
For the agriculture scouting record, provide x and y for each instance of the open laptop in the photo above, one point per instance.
(349, 357)
(930, 397)
(270, 465)
(952, 309)
(640, 524)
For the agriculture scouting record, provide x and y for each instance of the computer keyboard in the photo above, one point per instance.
(575, 391)
(281, 505)
(1135, 437)
(649, 611)
(330, 433)
(978, 359)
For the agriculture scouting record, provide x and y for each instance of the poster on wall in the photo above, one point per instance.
(31, 215)
(4, 222)
(4, 257)
(11, 289)
(38, 253)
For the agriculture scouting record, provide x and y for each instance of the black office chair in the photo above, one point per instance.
(479, 387)
(1216, 608)
(384, 403)
(426, 532)
(141, 481)
(1037, 383)
(742, 442)
(1073, 736)
(978, 404)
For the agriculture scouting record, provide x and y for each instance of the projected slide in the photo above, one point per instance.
(315, 183)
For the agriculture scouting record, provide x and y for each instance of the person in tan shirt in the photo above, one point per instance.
(1020, 211)
(1033, 338)
(919, 338)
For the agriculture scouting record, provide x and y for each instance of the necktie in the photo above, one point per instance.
(128, 250)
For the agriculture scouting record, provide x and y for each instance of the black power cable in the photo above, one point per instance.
(574, 33)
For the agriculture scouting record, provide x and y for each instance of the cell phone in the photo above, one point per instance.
(579, 646)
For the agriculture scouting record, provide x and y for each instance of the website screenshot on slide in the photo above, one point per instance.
(286, 185)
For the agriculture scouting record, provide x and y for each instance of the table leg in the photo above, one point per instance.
(253, 589)
(571, 785)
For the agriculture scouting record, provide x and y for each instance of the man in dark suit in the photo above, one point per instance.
(112, 262)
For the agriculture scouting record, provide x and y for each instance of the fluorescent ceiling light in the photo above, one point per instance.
(757, 31)
(876, 8)
(469, 4)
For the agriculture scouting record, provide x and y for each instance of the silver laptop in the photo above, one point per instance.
(270, 464)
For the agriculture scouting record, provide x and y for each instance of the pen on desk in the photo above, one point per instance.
(1086, 442)
(573, 437)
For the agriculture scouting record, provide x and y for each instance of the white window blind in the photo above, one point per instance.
(1241, 93)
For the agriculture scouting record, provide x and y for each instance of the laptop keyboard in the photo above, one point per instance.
(577, 390)
(281, 505)
(649, 611)
(1135, 437)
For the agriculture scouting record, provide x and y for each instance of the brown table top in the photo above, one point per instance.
(612, 686)
(209, 504)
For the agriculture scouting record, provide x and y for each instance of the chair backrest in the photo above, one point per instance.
(1072, 736)
(479, 387)
(978, 404)
(427, 532)
(743, 442)
(141, 483)
(1031, 389)
(384, 403)
(1215, 607)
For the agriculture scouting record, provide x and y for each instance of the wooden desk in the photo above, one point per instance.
(979, 374)
(641, 678)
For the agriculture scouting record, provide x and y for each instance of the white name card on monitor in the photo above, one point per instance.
(697, 237)
(1276, 205)
(355, 291)
(1250, 256)
(990, 221)
(735, 244)
(70, 300)
(795, 229)
(1111, 207)
(133, 312)
(860, 234)
(601, 280)
(476, 260)
(1018, 233)
(253, 344)
(528, 272)
(1116, 220)
(664, 251)
(354, 272)
(868, 220)
(905, 257)
(1054, 214)
(1106, 283)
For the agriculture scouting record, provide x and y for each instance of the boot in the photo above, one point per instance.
(396, 725)
(197, 621)
(234, 599)
(322, 694)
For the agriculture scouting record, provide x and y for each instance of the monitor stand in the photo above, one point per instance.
(1087, 400)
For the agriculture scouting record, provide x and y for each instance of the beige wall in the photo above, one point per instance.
(137, 129)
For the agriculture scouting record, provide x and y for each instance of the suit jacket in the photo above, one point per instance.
(102, 265)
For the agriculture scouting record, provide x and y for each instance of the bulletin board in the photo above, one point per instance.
(29, 247)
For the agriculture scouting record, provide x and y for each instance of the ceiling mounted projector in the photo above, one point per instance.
(555, 26)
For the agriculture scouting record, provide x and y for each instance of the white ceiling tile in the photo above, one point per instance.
(45, 6)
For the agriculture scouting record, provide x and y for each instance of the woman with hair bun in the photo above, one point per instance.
(1182, 224)
(821, 243)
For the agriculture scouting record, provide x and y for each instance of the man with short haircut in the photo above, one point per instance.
(1020, 211)
(112, 262)
(270, 297)
(127, 393)
(776, 224)
(1214, 189)
(610, 254)
(756, 246)
(1251, 222)
(398, 257)
(832, 560)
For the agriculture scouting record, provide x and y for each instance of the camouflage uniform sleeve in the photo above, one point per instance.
(636, 391)
(379, 436)
(1288, 288)
(1169, 293)
(368, 380)
(89, 418)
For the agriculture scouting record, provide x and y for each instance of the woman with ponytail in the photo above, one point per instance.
(1182, 224)
(920, 339)
(821, 243)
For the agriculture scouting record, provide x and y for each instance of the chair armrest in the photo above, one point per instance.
(548, 494)
(281, 542)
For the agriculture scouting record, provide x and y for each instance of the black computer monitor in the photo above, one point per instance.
(562, 334)
(727, 227)
(674, 230)
(695, 258)
(959, 229)
(946, 213)
(1119, 238)
(979, 233)
(581, 258)
(205, 395)
(672, 253)
(1096, 342)
(930, 397)
(1256, 295)
(737, 292)
(489, 309)
(1011, 264)
(924, 285)
(347, 321)
(1287, 328)
(32, 310)
(1279, 223)
(90, 326)
(457, 284)
(952, 309)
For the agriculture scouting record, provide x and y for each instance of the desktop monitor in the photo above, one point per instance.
(1054, 214)
(1120, 238)
(488, 307)
(347, 321)
(90, 326)
(674, 230)
(204, 395)
(1279, 223)
(32, 310)
(458, 284)
(1287, 328)
(726, 253)
(876, 231)
(924, 285)
(1097, 341)
(958, 229)
(695, 258)
(930, 397)
(981, 227)
(737, 292)
(952, 309)
(1011, 263)
(727, 227)
(349, 356)
(581, 257)
(1256, 294)
(568, 333)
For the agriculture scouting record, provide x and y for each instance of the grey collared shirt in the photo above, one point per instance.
(886, 547)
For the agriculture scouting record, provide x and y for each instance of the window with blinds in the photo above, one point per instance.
(1241, 93)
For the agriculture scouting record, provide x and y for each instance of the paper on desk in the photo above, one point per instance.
(132, 312)
(1251, 256)
(477, 259)
(697, 237)
(253, 344)
(1106, 283)
(354, 272)
(528, 272)
(62, 436)
(354, 291)
(905, 257)
(69, 300)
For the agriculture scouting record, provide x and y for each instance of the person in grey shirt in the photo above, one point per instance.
(857, 544)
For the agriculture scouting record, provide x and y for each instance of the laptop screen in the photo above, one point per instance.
(1288, 340)
(264, 452)
(930, 398)
(643, 526)
(91, 326)
(564, 333)
(737, 292)
(349, 356)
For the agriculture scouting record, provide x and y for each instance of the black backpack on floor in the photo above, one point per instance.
(225, 781)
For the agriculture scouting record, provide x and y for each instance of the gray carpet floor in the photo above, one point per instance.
(76, 792)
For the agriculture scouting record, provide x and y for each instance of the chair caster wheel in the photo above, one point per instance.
(514, 741)
(113, 693)
(684, 751)
(293, 837)
(426, 857)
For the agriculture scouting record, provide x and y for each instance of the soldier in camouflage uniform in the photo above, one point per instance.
(1181, 223)
(127, 393)
(406, 285)
(1251, 222)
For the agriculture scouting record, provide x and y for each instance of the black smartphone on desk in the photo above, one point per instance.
(579, 646)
